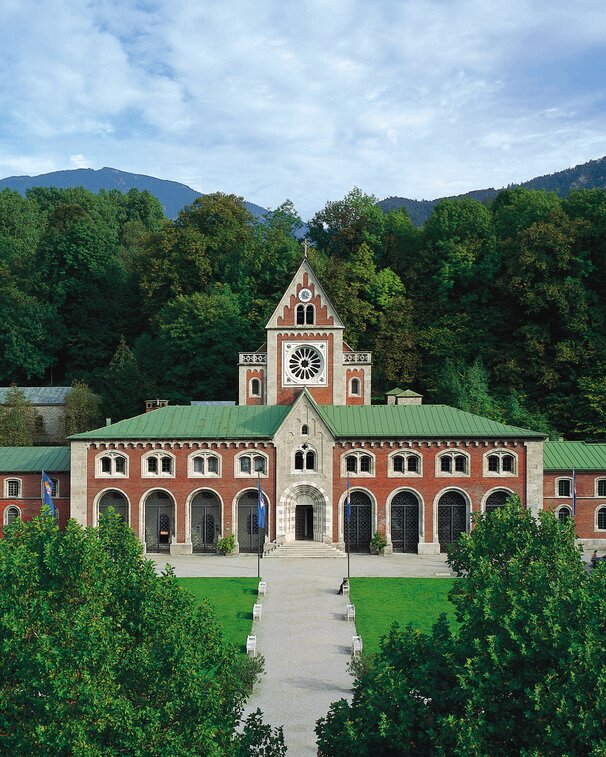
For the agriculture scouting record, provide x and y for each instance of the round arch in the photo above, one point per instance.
(111, 496)
(405, 519)
(363, 518)
(203, 519)
(495, 498)
(452, 510)
(158, 519)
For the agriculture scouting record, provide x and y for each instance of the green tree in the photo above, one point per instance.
(123, 385)
(519, 673)
(82, 409)
(102, 656)
(17, 420)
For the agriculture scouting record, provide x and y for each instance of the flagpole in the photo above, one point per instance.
(348, 521)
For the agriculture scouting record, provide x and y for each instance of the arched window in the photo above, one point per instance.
(310, 460)
(360, 463)
(158, 464)
(305, 458)
(255, 388)
(309, 315)
(111, 464)
(500, 463)
(300, 315)
(601, 519)
(11, 514)
(564, 514)
(496, 500)
(355, 387)
(405, 463)
(251, 464)
(453, 463)
(204, 464)
(304, 430)
(12, 487)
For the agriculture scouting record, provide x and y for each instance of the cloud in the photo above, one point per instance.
(273, 100)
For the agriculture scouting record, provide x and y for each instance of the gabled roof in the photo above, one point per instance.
(196, 422)
(402, 393)
(305, 267)
(39, 395)
(262, 422)
(34, 459)
(571, 456)
(435, 421)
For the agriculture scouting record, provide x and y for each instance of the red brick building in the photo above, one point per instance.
(304, 427)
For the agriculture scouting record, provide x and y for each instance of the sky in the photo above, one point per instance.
(273, 100)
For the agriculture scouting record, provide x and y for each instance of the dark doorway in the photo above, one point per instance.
(405, 522)
(357, 531)
(304, 523)
(205, 521)
(496, 501)
(452, 518)
(248, 527)
(159, 508)
(114, 499)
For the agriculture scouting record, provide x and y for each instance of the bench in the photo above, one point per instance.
(350, 612)
(251, 646)
(356, 645)
(257, 610)
(262, 587)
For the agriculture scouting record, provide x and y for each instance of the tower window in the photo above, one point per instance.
(255, 388)
(355, 387)
(309, 315)
(300, 315)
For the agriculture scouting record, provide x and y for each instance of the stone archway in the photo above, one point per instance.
(205, 521)
(114, 499)
(159, 511)
(305, 514)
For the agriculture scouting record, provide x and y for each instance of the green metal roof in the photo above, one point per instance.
(574, 455)
(372, 421)
(395, 392)
(34, 459)
(196, 422)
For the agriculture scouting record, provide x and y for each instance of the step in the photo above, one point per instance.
(305, 549)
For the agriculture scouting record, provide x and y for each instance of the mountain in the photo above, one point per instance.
(172, 195)
(591, 175)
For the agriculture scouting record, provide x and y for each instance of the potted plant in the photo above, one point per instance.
(378, 544)
(226, 545)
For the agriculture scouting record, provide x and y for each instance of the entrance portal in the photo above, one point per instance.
(304, 522)
(248, 527)
(405, 522)
(205, 521)
(357, 529)
(159, 509)
(452, 518)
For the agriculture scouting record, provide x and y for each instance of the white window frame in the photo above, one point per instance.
(453, 473)
(563, 507)
(158, 454)
(358, 473)
(601, 506)
(250, 387)
(351, 390)
(289, 379)
(5, 514)
(596, 485)
(55, 493)
(206, 454)
(557, 487)
(405, 453)
(19, 482)
(500, 453)
(112, 454)
(253, 473)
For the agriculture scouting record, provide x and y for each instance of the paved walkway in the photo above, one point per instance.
(302, 634)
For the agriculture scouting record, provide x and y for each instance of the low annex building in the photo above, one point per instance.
(182, 476)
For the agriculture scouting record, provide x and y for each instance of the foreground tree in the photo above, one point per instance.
(522, 673)
(102, 656)
(17, 420)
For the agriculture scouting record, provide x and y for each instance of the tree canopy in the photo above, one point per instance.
(102, 656)
(521, 671)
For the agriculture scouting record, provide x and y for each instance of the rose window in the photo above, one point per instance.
(305, 363)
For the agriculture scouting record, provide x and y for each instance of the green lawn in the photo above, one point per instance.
(382, 601)
(232, 600)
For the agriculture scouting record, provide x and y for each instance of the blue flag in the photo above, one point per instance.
(574, 492)
(47, 492)
(261, 507)
(348, 502)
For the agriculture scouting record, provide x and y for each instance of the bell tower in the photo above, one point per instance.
(305, 349)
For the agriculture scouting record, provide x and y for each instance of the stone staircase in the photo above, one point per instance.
(304, 549)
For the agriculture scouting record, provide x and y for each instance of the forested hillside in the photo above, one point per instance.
(498, 310)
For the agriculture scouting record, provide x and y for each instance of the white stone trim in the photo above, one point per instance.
(79, 482)
(404, 452)
(358, 474)
(112, 454)
(159, 454)
(557, 487)
(453, 452)
(373, 511)
(493, 491)
(289, 379)
(500, 453)
(421, 503)
(436, 500)
(252, 453)
(204, 453)
(188, 507)
(6, 510)
(595, 518)
(142, 509)
(9, 480)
